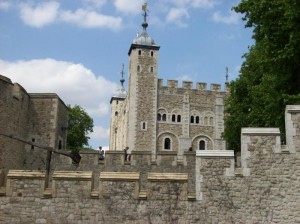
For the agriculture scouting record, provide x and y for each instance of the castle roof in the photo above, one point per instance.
(143, 39)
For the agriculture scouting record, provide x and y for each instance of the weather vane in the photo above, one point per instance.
(144, 7)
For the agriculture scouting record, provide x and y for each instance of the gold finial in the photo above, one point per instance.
(144, 7)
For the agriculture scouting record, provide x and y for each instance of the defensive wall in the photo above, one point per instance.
(205, 188)
(33, 117)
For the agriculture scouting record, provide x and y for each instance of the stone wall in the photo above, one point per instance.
(36, 118)
(205, 187)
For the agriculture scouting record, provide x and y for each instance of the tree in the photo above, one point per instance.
(80, 124)
(270, 75)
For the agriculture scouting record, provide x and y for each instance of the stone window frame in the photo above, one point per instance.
(176, 116)
(164, 143)
(144, 126)
(162, 114)
(199, 144)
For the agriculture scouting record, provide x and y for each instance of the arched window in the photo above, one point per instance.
(151, 53)
(159, 117)
(173, 118)
(178, 118)
(167, 143)
(59, 144)
(197, 119)
(164, 117)
(144, 126)
(192, 119)
(140, 52)
(116, 113)
(205, 121)
(202, 145)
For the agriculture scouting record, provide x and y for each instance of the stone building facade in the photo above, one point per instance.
(33, 117)
(153, 117)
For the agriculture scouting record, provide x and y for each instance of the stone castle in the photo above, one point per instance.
(164, 181)
(156, 118)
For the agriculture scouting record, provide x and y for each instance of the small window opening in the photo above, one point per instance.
(211, 121)
(151, 53)
(178, 118)
(138, 68)
(167, 143)
(173, 118)
(202, 145)
(164, 117)
(151, 69)
(59, 144)
(144, 126)
(197, 119)
(116, 113)
(158, 117)
(192, 119)
(140, 52)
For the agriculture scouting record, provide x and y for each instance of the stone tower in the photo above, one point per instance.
(142, 92)
(117, 122)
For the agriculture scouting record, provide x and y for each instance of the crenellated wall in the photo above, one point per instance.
(203, 187)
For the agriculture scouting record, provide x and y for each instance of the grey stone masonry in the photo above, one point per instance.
(205, 187)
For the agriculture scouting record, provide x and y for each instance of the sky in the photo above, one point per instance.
(76, 48)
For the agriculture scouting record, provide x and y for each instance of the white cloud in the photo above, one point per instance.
(5, 5)
(204, 4)
(91, 19)
(96, 3)
(175, 15)
(129, 6)
(232, 18)
(40, 15)
(99, 133)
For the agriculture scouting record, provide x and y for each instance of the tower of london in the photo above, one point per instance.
(157, 118)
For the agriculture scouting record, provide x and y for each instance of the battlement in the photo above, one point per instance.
(165, 191)
(201, 86)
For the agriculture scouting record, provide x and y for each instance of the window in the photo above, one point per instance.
(151, 69)
(192, 119)
(178, 118)
(144, 126)
(159, 117)
(117, 101)
(140, 52)
(164, 117)
(138, 68)
(197, 119)
(32, 140)
(116, 113)
(202, 145)
(173, 118)
(167, 143)
(151, 53)
(59, 144)
(211, 121)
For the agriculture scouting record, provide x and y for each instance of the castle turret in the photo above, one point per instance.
(142, 92)
(116, 123)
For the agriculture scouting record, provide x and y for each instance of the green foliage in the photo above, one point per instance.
(80, 124)
(270, 75)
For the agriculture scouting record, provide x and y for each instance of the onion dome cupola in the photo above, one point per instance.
(143, 40)
(121, 93)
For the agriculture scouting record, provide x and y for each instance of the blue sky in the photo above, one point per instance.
(75, 48)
